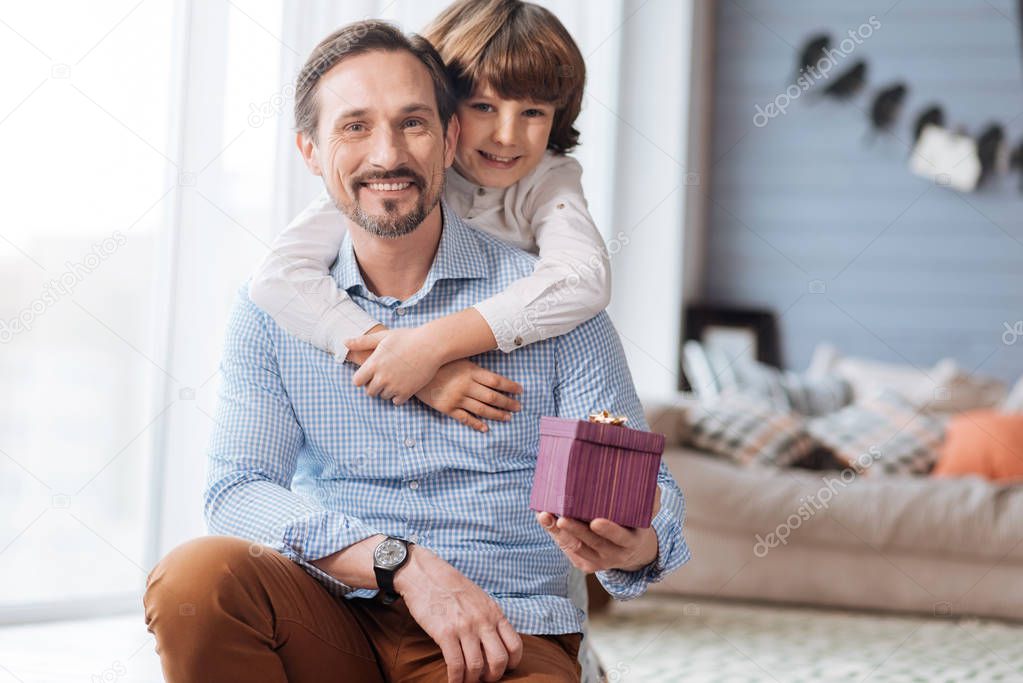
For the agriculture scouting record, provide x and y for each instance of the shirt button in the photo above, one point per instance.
(413, 484)
(517, 341)
(413, 538)
(561, 206)
(410, 443)
(399, 311)
(481, 191)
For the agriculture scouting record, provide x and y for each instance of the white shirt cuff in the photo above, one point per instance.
(344, 321)
(510, 325)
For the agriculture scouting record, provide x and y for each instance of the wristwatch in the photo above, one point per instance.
(388, 557)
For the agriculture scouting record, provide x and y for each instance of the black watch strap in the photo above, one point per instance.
(385, 582)
(385, 575)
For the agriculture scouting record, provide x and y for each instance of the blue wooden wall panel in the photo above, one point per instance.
(911, 272)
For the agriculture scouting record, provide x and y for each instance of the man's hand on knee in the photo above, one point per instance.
(477, 640)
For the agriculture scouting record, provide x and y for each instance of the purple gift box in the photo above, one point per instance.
(587, 470)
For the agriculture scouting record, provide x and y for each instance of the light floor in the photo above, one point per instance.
(678, 640)
(649, 640)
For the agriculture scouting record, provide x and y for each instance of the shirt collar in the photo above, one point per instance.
(458, 256)
(455, 181)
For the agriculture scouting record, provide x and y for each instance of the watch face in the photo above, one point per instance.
(389, 553)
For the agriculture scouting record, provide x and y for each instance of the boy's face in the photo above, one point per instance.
(501, 140)
(381, 147)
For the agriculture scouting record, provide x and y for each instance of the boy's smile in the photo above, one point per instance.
(499, 162)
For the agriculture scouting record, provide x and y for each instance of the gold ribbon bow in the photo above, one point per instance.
(604, 417)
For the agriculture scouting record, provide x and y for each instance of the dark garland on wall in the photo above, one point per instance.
(948, 156)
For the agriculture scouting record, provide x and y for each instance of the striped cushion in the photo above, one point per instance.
(748, 430)
(885, 435)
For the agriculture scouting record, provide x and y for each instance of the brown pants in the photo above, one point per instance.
(221, 613)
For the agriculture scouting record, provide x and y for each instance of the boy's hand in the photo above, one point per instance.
(401, 362)
(465, 391)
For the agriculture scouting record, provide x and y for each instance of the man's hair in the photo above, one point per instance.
(519, 49)
(356, 39)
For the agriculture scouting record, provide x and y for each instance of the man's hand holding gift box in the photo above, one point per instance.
(595, 491)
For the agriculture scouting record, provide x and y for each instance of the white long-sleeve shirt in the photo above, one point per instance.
(545, 213)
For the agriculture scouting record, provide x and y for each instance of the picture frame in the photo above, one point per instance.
(736, 332)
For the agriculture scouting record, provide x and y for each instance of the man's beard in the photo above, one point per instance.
(393, 224)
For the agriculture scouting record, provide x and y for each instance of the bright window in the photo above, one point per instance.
(84, 132)
(107, 241)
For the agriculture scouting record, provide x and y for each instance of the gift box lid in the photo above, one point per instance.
(603, 434)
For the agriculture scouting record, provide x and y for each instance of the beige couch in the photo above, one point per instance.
(944, 547)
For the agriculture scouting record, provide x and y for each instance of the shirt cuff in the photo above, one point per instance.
(672, 553)
(340, 323)
(510, 324)
(334, 586)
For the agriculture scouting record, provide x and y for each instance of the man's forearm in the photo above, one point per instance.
(353, 566)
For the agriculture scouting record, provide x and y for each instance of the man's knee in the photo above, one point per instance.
(197, 573)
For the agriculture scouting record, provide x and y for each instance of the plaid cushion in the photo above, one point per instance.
(793, 392)
(748, 430)
(882, 435)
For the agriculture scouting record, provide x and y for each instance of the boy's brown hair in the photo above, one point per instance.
(519, 49)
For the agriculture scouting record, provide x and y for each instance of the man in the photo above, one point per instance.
(391, 542)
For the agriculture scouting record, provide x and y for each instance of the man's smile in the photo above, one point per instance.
(389, 187)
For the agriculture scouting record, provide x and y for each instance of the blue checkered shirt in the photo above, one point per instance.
(305, 462)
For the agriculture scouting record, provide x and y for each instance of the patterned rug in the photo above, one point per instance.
(658, 638)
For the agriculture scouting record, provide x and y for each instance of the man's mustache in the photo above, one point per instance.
(404, 172)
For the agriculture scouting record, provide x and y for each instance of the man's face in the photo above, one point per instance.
(380, 145)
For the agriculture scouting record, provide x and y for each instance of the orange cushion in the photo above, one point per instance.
(983, 442)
